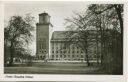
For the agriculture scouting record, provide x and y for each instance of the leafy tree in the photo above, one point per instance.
(18, 34)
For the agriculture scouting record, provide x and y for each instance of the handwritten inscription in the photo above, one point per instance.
(18, 76)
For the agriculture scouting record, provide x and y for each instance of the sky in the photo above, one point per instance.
(57, 10)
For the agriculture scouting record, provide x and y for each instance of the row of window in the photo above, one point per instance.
(69, 59)
(43, 51)
(57, 56)
(64, 47)
(40, 57)
(67, 52)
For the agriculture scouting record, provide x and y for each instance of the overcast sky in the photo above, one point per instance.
(57, 10)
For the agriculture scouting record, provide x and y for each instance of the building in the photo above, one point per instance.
(63, 50)
(43, 33)
(54, 46)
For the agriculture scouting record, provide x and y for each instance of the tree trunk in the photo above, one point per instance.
(87, 58)
(11, 54)
(101, 41)
(118, 9)
(97, 55)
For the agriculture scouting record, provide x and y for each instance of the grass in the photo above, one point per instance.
(53, 68)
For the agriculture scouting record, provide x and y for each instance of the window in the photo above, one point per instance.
(56, 51)
(77, 51)
(41, 57)
(52, 56)
(56, 56)
(38, 57)
(64, 56)
(40, 46)
(81, 51)
(42, 52)
(72, 51)
(52, 51)
(64, 51)
(43, 44)
(82, 56)
(72, 55)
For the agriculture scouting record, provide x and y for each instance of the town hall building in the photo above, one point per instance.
(54, 46)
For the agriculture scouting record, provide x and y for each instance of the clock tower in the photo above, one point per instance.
(43, 36)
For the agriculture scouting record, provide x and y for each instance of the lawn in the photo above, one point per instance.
(53, 68)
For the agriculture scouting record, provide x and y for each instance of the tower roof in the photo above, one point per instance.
(44, 13)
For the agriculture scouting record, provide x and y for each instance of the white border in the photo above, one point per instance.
(57, 77)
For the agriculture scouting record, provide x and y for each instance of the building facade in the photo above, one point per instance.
(54, 46)
(63, 50)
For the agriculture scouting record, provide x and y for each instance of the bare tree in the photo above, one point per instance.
(111, 18)
(107, 22)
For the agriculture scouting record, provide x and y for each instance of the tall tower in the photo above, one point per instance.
(43, 36)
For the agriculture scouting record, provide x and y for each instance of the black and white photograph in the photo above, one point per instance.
(55, 81)
(58, 81)
(52, 37)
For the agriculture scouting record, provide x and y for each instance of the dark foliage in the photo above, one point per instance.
(107, 22)
(17, 36)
